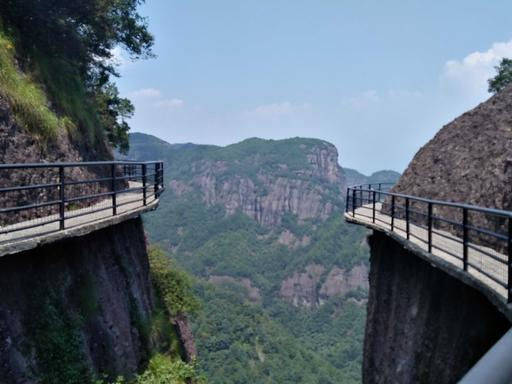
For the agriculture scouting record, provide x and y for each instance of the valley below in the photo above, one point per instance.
(282, 279)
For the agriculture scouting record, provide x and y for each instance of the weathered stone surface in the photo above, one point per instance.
(469, 160)
(100, 280)
(253, 293)
(17, 145)
(341, 282)
(311, 288)
(423, 325)
(301, 289)
(301, 194)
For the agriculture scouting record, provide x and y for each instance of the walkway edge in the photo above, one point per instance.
(445, 266)
(22, 245)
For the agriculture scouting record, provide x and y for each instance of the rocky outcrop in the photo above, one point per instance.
(423, 326)
(77, 308)
(17, 145)
(292, 241)
(312, 288)
(341, 282)
(301, 289)
(253, 293)
(312, 192)
(469, 160)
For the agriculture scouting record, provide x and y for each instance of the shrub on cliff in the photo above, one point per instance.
(173, 286)
(503, 77)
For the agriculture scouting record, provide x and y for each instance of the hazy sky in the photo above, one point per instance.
(375, 78)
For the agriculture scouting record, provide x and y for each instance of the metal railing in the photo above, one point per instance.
(43, 197)
(476, 238)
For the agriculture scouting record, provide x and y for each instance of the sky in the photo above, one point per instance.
(376, 78)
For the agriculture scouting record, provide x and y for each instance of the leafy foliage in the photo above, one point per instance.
(244, 341)
(58, 343)
(28, 100)
(68, 47)
(503, 76)
(163, 370)
(173, 285)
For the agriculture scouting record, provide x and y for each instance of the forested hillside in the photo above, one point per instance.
(282, 278)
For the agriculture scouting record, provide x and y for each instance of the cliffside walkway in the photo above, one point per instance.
(41, 203)
(474, 241)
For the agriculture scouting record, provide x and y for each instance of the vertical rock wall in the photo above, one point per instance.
(76, 308)
(423, 326)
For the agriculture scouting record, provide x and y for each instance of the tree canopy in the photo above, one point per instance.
(503, 76)
(81, 36)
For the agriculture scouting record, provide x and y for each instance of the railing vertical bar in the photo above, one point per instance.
(113, 186)
(157, 176)
(430, 227)
(144, 181)
(392, 212)
(465, 236)
(62, 206)
(353, 202)
(346, 200)
(373, 208)
(509, 250)
(407, 222)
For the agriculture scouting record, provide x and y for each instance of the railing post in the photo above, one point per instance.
(407, 225)
(113, 188)
(144, 183)
(157, 177)
(380, 188)
(373, 208)
(62, 206)
(346, 200)
(353, 202)
(465, 238)
(361, 194)
(392, 212)
(430, 227)
(509, 285)
(369, 192)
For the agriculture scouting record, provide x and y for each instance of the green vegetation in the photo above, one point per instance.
(58, 342)
(267, 340)
(28, 101)
(163, 370)
(503, 77)
(66, 48)
(172, 285)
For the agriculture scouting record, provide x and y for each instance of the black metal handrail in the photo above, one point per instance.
(37, 195)
(474, 228)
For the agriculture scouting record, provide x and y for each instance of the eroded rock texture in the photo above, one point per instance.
(423, 326)
(91, 296)
(469, 160)
(310, 193)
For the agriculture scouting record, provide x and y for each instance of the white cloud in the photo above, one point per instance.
(170, 103)
(468, 77)
(363, 100)
(146, 93)
(277, 110)
(119, 58)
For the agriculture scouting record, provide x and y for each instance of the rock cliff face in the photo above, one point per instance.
(423, 326)
(266, 195)
(468, 160)
(76, 308)
(314, 286)
(20, 146)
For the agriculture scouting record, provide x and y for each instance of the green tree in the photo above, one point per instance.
(503, 76)
(77, 39)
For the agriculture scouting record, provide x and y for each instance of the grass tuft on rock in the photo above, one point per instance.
(28, 101)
